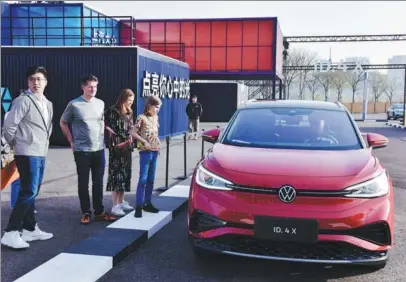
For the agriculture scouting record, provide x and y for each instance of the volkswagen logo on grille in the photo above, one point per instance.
(287, 194)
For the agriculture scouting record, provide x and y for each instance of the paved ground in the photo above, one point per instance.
(58, 204)
(58, 211)
(168, 257)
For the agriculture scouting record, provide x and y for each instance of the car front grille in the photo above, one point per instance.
(322, 251)
(377, 233)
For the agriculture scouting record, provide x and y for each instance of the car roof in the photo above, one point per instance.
(303, 104)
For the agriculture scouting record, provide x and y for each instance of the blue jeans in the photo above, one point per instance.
(31, 170)
(15, 190)
(147, 177)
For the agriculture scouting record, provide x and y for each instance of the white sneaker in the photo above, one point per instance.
(13, 240)
(36, 235)
(126, 207)
(117, 211)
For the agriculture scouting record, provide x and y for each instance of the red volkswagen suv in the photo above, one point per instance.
(293, 181)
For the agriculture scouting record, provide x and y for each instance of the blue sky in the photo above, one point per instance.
(296, 18)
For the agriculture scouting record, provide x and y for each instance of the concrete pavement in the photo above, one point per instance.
(58, 204)
(176, 261)
(60, 215)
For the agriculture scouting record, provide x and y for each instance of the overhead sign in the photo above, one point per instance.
(327, 66)
(164, 86)
(99, 38)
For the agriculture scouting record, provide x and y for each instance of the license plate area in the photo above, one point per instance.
(286, 229)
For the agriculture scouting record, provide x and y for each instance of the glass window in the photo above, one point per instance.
(54, 11)
(19, 11)
(72, 22)
(72, 11)
(72, 42)
(38, 23)
(5, 37)
(40, 42)
(87, 41)
(102, 22)
(72, 26)
(37, 11)
(54, 22)
(86, 12)
(21, 41)
(55, 42)
(38, 27)
(293, 128)
(20, 26)
(87, 33)
(72, 31)
(109, 23)
(95, 22)
(5, 22)
(55, 32)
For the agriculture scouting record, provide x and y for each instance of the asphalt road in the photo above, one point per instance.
(168, 256)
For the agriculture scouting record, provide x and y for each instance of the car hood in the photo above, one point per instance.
(286, 162)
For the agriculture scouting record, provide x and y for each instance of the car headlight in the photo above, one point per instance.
(210, 180)
(376, 187)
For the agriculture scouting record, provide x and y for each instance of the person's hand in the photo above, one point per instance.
(147, 145)
(111, 132)
(71, 145)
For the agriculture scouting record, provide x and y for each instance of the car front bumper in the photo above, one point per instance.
(357, 232)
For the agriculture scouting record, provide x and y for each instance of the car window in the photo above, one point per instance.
(397, 106)
(293, 128)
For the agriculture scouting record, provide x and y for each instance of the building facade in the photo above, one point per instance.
(215, 49)
(65, 24)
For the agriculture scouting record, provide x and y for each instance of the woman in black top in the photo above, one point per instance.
(119, 122)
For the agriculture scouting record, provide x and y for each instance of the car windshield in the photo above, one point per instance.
(292, 128)
(397, 106)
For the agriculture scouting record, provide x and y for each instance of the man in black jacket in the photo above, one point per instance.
(194, 110)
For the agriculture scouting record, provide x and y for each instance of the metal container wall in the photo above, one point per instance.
(115, 67)
(219, 99)
(213, 46)
(172, 116)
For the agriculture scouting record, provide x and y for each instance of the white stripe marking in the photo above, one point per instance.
(177, 191)
(70, 267)
(150, 222)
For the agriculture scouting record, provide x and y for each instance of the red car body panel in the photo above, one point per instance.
(305, 170)
(332, 213)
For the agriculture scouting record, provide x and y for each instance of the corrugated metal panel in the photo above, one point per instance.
(114, 67)
(172, 115)
(219, 100)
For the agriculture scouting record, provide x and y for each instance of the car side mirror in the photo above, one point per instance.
(211, 135)
(376, 141)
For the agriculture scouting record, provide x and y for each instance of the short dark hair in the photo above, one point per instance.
(90, 77)
(194, 96)
(36, 69)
